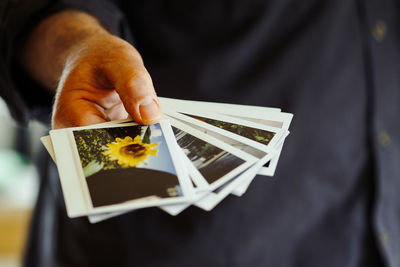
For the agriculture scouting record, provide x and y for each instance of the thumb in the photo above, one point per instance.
(134, 86)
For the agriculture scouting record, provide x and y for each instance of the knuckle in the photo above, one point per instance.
(140, 80)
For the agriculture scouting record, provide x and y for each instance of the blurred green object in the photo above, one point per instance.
(18, 180)
(12, 166)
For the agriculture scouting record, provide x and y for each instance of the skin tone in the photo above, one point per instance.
(96, 76)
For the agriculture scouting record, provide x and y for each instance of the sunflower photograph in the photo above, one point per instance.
(125, 163)
(130, 152)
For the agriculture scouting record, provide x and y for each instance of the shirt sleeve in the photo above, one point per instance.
(25, 98)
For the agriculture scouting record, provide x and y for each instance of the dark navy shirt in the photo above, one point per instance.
(334, 198)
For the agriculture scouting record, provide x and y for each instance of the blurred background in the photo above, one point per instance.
(18, 184)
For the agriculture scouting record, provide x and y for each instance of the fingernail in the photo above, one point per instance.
(149, 110)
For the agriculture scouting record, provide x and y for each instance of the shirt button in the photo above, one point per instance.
(379, 31)
(384, 139)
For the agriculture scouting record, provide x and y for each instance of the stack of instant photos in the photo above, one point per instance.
(198, 154)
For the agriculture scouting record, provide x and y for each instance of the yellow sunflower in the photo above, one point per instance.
(129, 152)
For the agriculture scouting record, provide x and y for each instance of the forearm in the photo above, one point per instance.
(48, 47)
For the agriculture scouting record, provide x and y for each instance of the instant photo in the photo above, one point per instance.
(119, 168)
(258, 135)
(217, 107)
(125, 163)
(227, 140)
(272, 117)
(253, 134)
(211, 161)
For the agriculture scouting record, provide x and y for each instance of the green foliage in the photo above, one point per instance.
(261, 136)
(92, 142)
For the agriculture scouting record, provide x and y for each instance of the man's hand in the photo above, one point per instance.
(97, 76)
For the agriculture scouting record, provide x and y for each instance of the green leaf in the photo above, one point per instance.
(92, 168)
(259, 138)
(146, 137)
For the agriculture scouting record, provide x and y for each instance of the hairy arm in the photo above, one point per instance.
(96, 76)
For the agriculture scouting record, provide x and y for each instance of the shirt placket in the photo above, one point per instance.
(384, 51)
